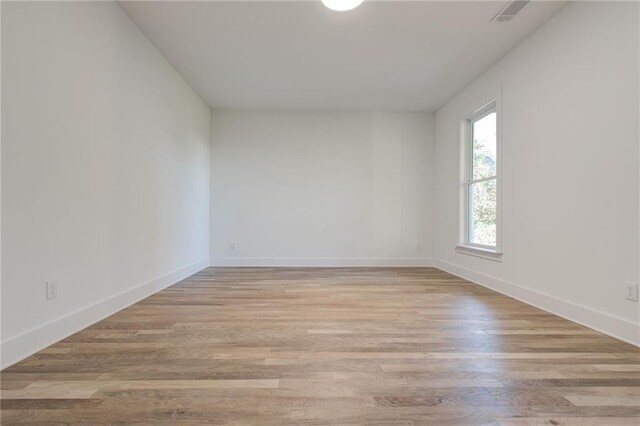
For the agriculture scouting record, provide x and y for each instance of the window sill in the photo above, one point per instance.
(496, 256)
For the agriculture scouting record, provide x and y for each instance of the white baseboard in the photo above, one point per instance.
(611, 325)
(320, 262)
(23, 345)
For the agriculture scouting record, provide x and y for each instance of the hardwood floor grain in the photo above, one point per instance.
(344, 346)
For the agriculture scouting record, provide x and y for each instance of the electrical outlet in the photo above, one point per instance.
(632, 291)
(418, 247)
(52, 289)
(232, 246)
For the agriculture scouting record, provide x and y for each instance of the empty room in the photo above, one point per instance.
(320, 212)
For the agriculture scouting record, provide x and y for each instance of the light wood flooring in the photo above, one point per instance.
(343, 346)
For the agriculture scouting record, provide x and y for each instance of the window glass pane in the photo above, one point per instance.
(484, 147)
(482, 213)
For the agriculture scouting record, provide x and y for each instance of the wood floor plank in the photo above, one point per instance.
(318, 346)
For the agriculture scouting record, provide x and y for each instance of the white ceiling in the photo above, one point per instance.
(393, 55)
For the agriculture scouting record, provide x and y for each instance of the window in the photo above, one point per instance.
(480, 171)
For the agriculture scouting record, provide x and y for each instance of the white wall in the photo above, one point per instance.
(321, 188)
(570, 124)
(105, 170)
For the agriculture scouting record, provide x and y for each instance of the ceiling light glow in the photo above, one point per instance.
(342, 5)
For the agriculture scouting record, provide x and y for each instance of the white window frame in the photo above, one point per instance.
(466, 180)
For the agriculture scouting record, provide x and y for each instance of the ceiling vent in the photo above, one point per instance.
(509, 10)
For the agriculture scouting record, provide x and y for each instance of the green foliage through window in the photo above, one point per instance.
(482, 188)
